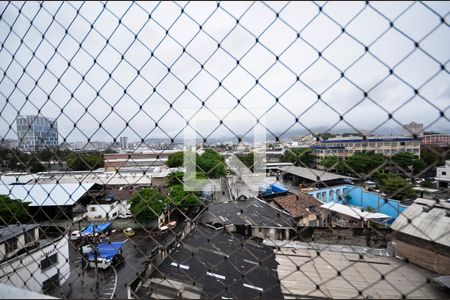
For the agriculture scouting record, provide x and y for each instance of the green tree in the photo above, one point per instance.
(247, 159)
(13, 211)
(175, 160)
(85, 161)
(148, 204)
(35, 165)
(175, 178)
(178, 197)
(299, 156)
(427, 183)
(212, 164)
(395, 186)
(330, 162)
(362, 163)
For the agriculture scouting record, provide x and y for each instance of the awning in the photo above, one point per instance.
(106, 250)
(354, 212)
(99, 228)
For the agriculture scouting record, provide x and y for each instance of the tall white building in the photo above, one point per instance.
(36, 133)
(124, 143)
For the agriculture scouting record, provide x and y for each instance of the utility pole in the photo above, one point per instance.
(95, 262)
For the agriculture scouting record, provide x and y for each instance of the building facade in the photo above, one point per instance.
(436, 140)
(124, 143)
(347, 146)
(443, 175)
(413, 129)
(32, 263)
(36, 133)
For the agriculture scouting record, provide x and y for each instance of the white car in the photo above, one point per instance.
(125, 216)
(75, 235)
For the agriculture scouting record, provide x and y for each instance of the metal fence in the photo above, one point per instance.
(99, 78)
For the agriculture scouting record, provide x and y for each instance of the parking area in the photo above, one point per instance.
(112, 282)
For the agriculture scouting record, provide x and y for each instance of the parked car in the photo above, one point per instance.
(129, 232)
(75, 235)
(125, 216)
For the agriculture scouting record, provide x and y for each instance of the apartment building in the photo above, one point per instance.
(347, 146)
(36, 133)
(436, 140)
(29, 261)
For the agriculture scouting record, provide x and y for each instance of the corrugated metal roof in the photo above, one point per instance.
(428, 221)
(354, 212)
(47, 194)
(312, 174)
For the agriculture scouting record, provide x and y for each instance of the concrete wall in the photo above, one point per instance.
(368, 237)
(357, 196)
(431, 256)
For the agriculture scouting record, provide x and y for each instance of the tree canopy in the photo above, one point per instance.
(175, 160)
(85, 161)
(211, 164)
(299, 156)
(148, 204)
(395, 186)
(13, 211)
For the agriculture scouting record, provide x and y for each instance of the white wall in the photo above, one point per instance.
(18, 271)
(445, 169)
(20, 245)
(102, 210)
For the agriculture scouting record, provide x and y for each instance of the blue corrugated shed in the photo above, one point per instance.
(275, 188)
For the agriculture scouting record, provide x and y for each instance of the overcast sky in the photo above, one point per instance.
(237, 46)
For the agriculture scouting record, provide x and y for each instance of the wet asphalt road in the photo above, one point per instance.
(112, 282)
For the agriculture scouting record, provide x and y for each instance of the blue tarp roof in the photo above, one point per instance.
(98, 228)
(275, 188)
(106, 250)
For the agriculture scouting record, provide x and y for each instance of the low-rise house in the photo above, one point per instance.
(336, 214)
(212, 264)
(32, 259)
(304, 208)
(250, 217)
(422, 235)
(443, 175)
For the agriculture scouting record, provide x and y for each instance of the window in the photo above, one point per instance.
(11, 245)
(49, 261)
(93, 208)
(29, 236)
(50, 284)
(444, 173)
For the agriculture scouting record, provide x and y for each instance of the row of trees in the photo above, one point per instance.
(13, 211)
(18, 161)
(210, 163)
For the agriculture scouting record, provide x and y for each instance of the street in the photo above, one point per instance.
(112, 282)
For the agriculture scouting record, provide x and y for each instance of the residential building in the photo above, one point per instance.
(219, 266)
(436, 140)
(31, 262)
(36, 133)
(144, 159)
(337, 272)
(413, 129)
(347, 146)
(303, 208)
(307, 177)
(124, 142)
(8, 143)
(357, 197)
(421, 235)
(443, 175)
(49, 202)
(250, 217)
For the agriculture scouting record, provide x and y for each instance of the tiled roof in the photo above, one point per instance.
(297, 204)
